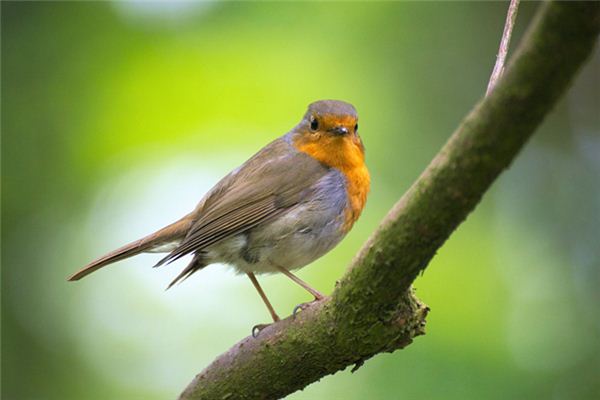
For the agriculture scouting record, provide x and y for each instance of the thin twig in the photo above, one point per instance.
(511, 16)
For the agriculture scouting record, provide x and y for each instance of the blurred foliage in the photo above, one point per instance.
(117, 117)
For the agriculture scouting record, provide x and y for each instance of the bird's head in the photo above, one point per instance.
(329, 132)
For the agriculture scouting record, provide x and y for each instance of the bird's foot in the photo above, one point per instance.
(256, 329)
(304, 306)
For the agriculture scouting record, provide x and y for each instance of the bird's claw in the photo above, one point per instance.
(302, 307)
(256, 329)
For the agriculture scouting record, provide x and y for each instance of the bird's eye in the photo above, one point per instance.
(314, 124)
(356, 128)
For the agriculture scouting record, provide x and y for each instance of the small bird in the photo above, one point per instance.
(286, 206)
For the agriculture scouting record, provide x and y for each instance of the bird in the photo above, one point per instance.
(288, 205)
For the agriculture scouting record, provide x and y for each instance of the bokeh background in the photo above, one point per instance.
(118, 117)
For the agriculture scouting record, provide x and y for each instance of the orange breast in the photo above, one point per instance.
(346, 154)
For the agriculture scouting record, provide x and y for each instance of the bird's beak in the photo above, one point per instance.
(339, 130)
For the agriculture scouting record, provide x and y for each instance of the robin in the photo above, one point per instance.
(286, 206)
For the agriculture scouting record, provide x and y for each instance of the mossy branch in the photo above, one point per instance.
(372, 309)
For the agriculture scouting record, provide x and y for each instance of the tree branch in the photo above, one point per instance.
(372, 309)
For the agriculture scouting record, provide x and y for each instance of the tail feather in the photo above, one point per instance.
(121, 253)
(196, 264)
(173, 232)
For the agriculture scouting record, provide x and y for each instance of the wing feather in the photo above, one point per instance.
(270, 182)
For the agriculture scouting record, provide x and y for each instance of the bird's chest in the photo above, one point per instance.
(357, 188)
(346, 156)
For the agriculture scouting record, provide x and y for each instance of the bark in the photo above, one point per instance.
(373, 309)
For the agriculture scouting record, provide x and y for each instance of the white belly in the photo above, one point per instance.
(290, 242)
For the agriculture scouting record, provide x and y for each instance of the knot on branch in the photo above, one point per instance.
(410, 321)
(399, 326)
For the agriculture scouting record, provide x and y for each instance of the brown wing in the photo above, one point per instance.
(270, 182)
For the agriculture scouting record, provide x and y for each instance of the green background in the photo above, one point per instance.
(118, 117)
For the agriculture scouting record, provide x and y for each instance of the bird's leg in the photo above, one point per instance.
(257, 328)
(318, 295)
